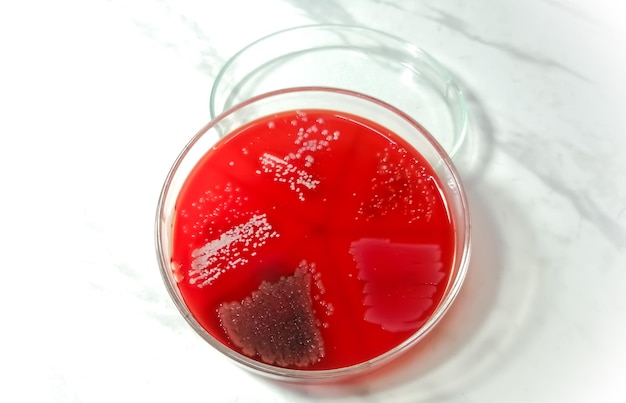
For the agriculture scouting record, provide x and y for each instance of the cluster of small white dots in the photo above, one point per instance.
(403, 187)
(299, 180)
(222, 201)
(229, 250)
(286, 172)
(327, 307)
(310, 145)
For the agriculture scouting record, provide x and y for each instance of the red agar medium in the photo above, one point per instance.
(312, 240)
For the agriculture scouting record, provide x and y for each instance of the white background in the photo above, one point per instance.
(98, 97)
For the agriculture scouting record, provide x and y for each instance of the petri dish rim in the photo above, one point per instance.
(416, 59)
(296, 375)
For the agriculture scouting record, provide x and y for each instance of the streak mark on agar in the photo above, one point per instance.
(215, 257)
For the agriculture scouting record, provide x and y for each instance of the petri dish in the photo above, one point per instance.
(359, 59)
(243, 221)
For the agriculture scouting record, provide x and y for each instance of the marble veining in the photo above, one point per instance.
(458, 25)
(99, 96)
(173, 30)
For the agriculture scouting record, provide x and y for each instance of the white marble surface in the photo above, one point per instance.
(98, 97)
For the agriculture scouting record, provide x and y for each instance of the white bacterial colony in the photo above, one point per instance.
(401, 185)
(309, 141)
(288, 173)
(327, 308)
(224, 253)
(222, 201)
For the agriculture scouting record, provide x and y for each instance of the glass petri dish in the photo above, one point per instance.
(226, 246)
(353, 58)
